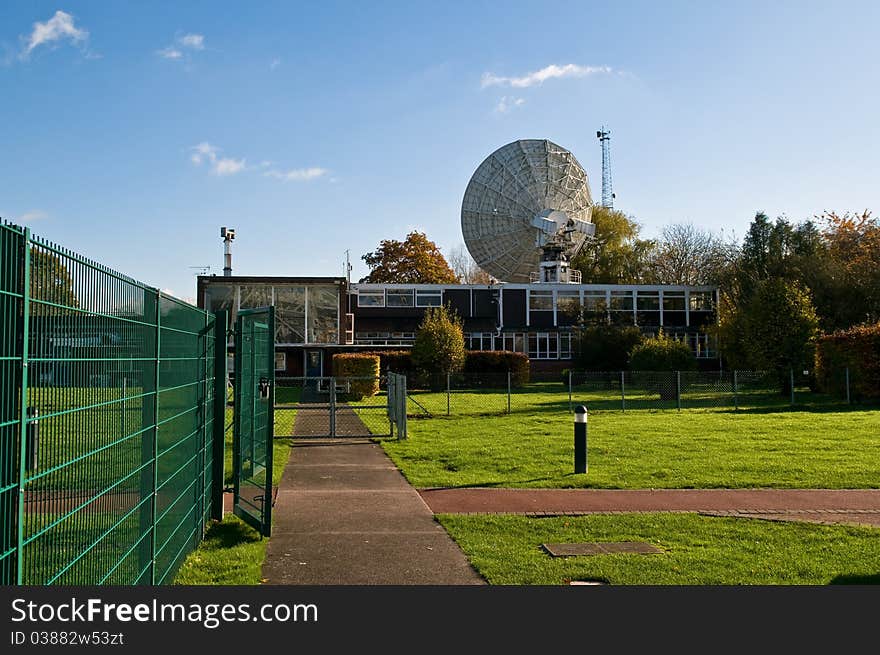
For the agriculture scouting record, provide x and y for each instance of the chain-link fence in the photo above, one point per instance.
(477, 394)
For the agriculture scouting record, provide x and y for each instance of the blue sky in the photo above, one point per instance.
(133, 131)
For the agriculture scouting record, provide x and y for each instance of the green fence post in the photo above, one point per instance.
(332, 406)
(508, 392)
(221, 374)
(23, 417)
(622, 393)
(156, 381)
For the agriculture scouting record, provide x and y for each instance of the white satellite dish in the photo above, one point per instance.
(522, 196)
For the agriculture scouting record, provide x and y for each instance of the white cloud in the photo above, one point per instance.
(507, 103)
(192, 41)
(32, 215)
(58, 28)
(228, 166)
(540, 76)
(169, 53)
(182, 45)
(205, 152)
(298, 174)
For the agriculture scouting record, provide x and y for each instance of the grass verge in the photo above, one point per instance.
(232, 552)
(782, 448)
(698, 550)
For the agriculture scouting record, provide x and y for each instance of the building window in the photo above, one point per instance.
(594, 301)
(543, 345)
(648, 301)
(399, 298)
(540, 301)
(371, 298)
(429, 298)
(479, 340)
(280, 361)
(564, 345)
(568, 303)
(673, 301)
(514, 342)
(702, 301)
(622, 301)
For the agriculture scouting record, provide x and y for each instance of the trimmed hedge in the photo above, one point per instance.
(857, 348)
(662, 353)
(498, 362)
(358, 365)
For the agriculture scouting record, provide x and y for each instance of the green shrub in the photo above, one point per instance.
(858, 349)
(605, 347)
(496, 363)
(662, 353)
(358, 365)
(439, 345)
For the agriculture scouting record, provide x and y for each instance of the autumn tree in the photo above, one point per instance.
(417, 260)
(616, 255)
(465, 268)
(853, 248)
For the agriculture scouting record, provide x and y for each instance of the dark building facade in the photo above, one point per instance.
(316, 317)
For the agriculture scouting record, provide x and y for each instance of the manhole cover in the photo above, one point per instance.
(601, 548)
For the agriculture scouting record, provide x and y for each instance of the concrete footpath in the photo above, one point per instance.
(345, 515)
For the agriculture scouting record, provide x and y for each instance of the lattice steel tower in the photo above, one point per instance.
(604, 137)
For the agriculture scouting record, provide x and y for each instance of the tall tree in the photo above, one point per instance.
(417, 260)
(853, 242)
(50, 281)
(689, 255)
(616, 255)
(465, 268)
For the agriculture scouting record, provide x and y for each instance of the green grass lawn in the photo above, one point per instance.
(697, 550)
(818, 447)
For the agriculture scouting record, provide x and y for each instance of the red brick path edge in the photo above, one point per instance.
(860, 506)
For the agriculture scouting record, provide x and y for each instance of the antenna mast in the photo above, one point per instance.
(604, 137)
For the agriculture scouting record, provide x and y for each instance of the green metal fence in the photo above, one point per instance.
(108, 457)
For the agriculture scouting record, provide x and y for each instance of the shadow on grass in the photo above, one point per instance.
(228, 534)
(856, 579)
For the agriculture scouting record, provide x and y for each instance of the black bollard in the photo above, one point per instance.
(580, 439)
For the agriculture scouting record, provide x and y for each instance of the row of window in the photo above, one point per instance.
(625, 301)
(400, 298)
(557, 345)
(537, 345)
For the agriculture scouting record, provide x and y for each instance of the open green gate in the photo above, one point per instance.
(254, 422)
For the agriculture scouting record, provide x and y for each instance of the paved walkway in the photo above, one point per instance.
(345, 515)
(313, 420)
(848, 506)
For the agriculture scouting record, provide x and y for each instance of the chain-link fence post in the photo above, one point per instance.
(508, 391)
(848, 399)
(448, 385)
(735, 392)
(678, 389)
(332, 407)
(622, 393)
(791, 384)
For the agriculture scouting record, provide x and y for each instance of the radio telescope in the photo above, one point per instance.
(525, 196)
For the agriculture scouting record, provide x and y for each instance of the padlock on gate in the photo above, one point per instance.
(264, 388)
